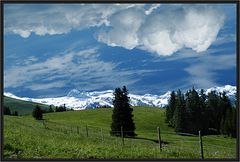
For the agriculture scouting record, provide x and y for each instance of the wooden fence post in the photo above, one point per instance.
(201, 144)
(122, 135)
(159, 139)
(87, 130)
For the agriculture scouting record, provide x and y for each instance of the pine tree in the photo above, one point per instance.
(64, 107)
(170, 109)
(6, 110)
(50, 109)
(193, 112)
(56, 109)
(129, 125)
(61, 108)
(122, 114)
(227, 126)
(180, 113)
(204, 114)
(213, 111)
(15, 113)
(225, 109)
(234, 118)
(234, 123)
(37, 113)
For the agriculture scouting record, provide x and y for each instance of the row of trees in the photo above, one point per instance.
(38, 111)
(7, 111)
(212, 113)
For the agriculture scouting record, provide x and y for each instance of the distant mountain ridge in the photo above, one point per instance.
(79, 100)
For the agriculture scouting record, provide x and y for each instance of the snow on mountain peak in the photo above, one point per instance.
(80, 100)
(73, 92)
(230, 90)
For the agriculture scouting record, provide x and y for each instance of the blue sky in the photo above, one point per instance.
(50, 49)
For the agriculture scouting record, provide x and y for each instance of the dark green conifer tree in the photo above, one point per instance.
(122, 114)
(6, 110)
(170, 109)
(193, 112)
(212, 108)
(225, 109)
(50, 109)
(180, 113)
(227, 126)
(15, 113)
(234, 123)
(37, 113)
(204, 115)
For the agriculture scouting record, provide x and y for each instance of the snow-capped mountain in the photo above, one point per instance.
(85, 100)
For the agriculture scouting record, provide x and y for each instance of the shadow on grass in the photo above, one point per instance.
(153, 140)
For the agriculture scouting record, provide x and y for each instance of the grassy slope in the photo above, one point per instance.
(25, 137)
(22, 107)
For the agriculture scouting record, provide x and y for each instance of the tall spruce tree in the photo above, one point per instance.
(15, 113)
(122, 114)
(234, 118)
(193, 112)
(234, 123)
(212, 108)
(204, 114)
(37, 113)
(225, 108)
(180, 113)
(170, 109)
(50, 109)
(227, 126)
(6, 110)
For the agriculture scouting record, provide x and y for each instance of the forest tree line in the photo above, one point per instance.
(38, 111)
(7, 111)
(211, 113)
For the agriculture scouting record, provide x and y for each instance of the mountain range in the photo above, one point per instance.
(79, 100)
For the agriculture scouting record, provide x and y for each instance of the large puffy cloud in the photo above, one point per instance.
(125, 26)
(166, 30)
(158, 29)
(54, 19)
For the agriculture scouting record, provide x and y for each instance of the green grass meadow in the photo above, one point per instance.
(63, 135)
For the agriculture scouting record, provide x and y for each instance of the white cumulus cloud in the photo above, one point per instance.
(167, 30)
(125, 25)
(54, 19)
(161, 29)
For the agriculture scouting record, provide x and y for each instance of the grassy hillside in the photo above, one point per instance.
(22, 107)
(63, 135)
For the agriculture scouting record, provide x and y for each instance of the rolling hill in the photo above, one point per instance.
(21, 106)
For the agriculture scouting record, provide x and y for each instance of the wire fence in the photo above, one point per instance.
(158, 142)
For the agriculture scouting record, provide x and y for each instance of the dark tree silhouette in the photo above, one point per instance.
(6, 110)
(180, 113)
(212, 113)
(37, 113)
(170, 109)
(15, 113)
(122, 114)
(50, 109)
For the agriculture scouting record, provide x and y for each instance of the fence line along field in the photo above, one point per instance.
(86, 135)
